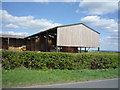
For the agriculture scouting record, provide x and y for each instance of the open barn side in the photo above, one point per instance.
(44, 41)
(67, 38)
(11, 43)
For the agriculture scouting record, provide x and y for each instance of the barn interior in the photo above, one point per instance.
(46, 42)
(12, 43)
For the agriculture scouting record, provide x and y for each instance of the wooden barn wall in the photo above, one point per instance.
(40, 44)
(32, 44)
(0, 43)
(4, 43)
(69, 49)
(36, 44)
(28, 45)
(13, 43)
(77, 36)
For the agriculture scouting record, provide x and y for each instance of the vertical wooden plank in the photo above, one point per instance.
(77, 36)
(46, 41)
(8, 42)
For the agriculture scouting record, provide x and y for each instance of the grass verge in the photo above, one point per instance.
(24, 77)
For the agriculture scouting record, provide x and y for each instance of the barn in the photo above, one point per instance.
(11, 42)
(67, 38)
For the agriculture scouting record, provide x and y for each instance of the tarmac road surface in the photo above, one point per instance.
(107, 83)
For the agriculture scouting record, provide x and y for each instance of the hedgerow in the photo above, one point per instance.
(53, 60)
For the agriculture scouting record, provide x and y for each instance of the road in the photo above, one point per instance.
(107, 83)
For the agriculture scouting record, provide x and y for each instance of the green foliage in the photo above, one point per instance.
(53, 60)
(20, 77)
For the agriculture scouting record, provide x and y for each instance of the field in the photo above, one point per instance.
(32, 68)
(24, 77)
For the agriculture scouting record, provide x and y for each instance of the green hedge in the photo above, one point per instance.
(53, 60)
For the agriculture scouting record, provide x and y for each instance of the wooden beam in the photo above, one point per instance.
(34, 43)
(85, 49)
(46, 41)
(56, 48)
(80, 49)
(98, 48)
(8, 42)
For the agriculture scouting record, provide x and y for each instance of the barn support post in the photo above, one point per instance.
(8, 42)
(56, 48)
(26, 43)
(30, 44)
(80, 49)
(15, 43)
(39, 36)
(98, 48)
(85, 49)
(46, 41)
(32, 48)
(34, 44)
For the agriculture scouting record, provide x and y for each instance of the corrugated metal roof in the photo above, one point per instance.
(63, 26)
(41, 32)
(18, 36)
(11, 36)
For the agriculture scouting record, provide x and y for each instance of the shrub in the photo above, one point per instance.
(53, 60)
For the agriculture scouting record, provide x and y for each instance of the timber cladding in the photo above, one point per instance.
(77, 36)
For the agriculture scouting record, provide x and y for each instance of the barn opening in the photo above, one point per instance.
(11, 42)
(44, 41)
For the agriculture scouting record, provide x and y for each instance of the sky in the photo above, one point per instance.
(27, 18)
